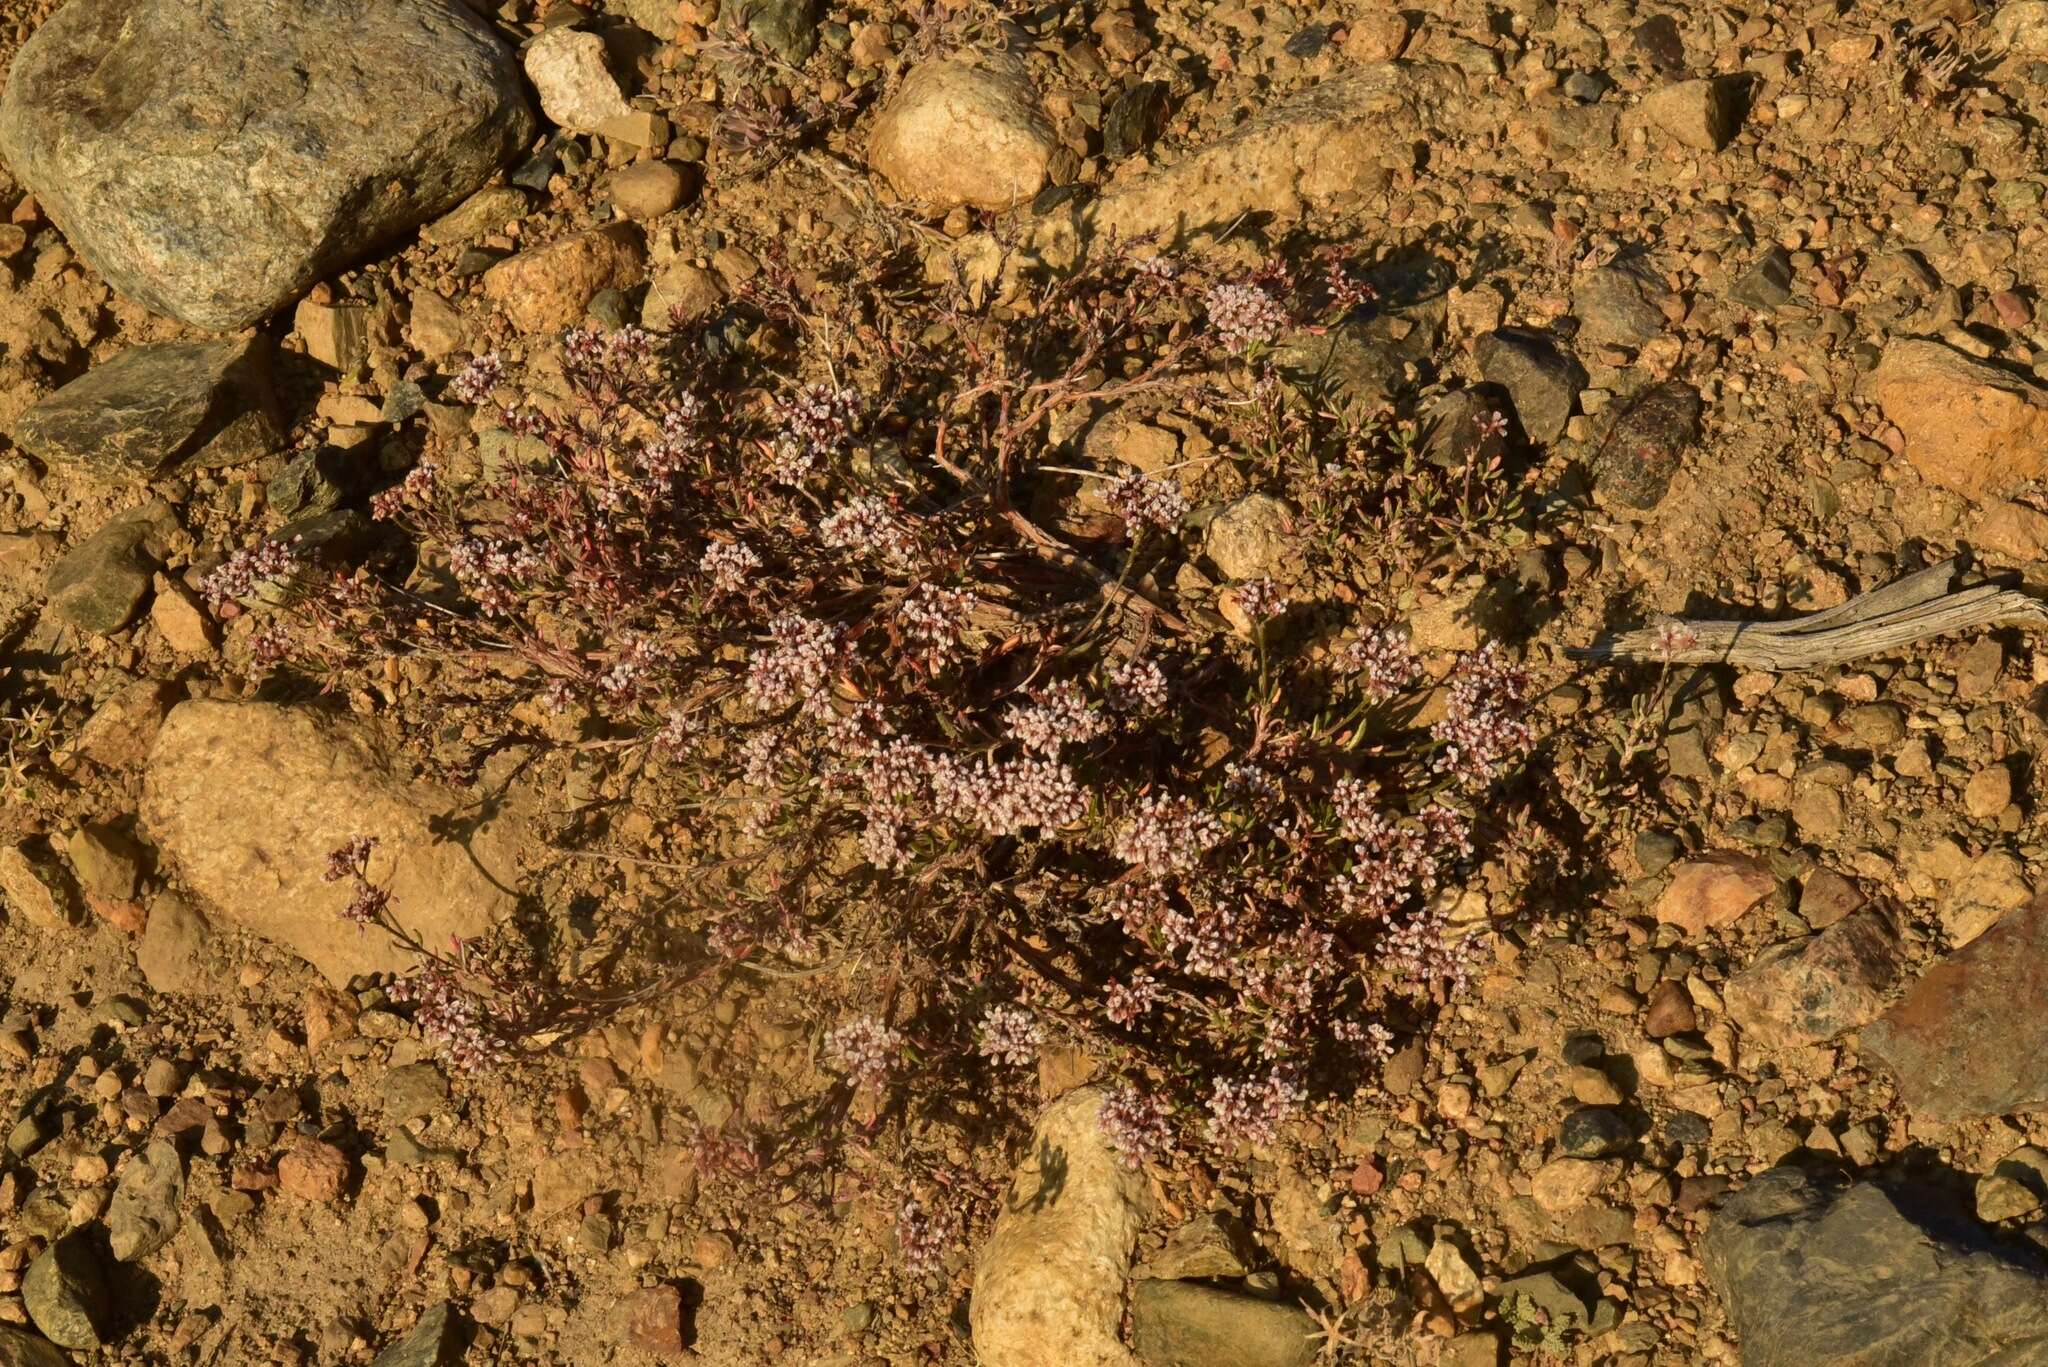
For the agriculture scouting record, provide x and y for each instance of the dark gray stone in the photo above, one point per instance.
(143, 1214)
(1188, 1324)
(66, 1295)
(316, 481)
(1768, 281)
(1645, 442)
(1541, 1308)
(408, 1152)
(1619, 304)
(1458, 430)
(19, 1348)
(1655, 850)
(609, 309)
(1361, 362)
(101, 583)
(1134, 119)
(405, 400)
(1872, 1274)
(787, 28)
(1587, 86)
(1210, 1245)
(214, 158)
(1595, 1132)
(432, 1342)
(1659, 43)
(157, 407)
(28, 1134)
(412, 1091)
(1541, 380)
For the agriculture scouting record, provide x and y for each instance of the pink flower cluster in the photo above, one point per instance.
(864, 1049)
(454, 1017)
(869, 526)
(475, 381)
(251, 570)
(817, 423)
(1245, 315)
(1137, 1124)
(1484, 727)
(1251, 1110)
(795, 666)
(1261, 599)
(1168, 834)
(1060, 716)
(728, 564)
(1141, 500)
(933, 618)
(1138, 685)
(1005, 797)
(1384, 662)
(1010, 1034)
(925, 1236)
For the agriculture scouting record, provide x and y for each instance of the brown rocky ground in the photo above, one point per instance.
(1818, 228)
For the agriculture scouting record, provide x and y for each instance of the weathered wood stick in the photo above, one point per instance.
(1925, 603)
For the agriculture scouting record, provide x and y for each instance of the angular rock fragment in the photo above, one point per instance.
(158, 407)
(1969, 425)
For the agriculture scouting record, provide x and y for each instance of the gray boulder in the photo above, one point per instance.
(213, 158)
(1870, 1274)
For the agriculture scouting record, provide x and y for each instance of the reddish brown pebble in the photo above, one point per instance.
(1818, 987)
(1970, 1040)
(654, 1320)
(1713, 890)
(570, 1106)
(314, 1171)
(252, 1179)
(1671, 1011)
(2012, 310)
(598, 1076)
(1696, 1192)
(123, 916)
(189, 1113)
(329, 1015)
(1826, 897)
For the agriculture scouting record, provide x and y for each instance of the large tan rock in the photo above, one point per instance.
(1969, 425)
(577, 90)
(1310, 151)
(1703, 114)
(545, 288)
(247, 800)
(1049, 1284)
(965, 129)
(2021, 26)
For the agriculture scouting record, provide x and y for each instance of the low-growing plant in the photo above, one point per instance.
(1006, 779)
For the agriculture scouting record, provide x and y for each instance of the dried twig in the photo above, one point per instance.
(1927, 603)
